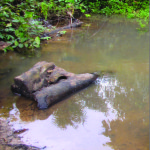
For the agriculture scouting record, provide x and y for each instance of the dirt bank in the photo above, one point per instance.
(10, 139)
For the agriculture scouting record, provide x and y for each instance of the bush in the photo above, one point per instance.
(17, 17)
(16, 26)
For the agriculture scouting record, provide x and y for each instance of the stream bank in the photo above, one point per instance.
(10, 139)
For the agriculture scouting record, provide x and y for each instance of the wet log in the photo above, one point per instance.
(48, 84)
(54, 93)
(73, 25)
(32, 80)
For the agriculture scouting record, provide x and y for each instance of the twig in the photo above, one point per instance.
(24, 146)
(98, 30)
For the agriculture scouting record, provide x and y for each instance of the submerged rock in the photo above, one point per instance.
(47, 84)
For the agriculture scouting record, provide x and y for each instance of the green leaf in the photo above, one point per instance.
(8, 36)
(5, 50)
(1, 36)
(9, 29)
(28, 14)
(21, 34)
(23, 39)
(20, 45)
(62, 32)
(16, 32)
(37, 40)
(15, 20)
(83, 10)
(46, 38)
(26, 44)
(16, 43)
(87, 15)
(8, 25)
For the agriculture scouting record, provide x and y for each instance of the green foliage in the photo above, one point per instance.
(19, 28)
(46, 38)
(132, 9)
(45, 9)
(62, 32)
(87, 15)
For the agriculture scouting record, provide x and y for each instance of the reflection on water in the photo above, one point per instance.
(103, 114)
(106, 87)
(76, 119)
(112, 113)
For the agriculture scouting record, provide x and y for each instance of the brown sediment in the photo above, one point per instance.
(4, 45)
(7, 136)
(10, 139)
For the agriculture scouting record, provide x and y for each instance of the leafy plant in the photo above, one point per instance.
(19, 25)
(132, 9)
(62, 32)
(46, 38)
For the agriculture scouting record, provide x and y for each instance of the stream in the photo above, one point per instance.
(111, 114)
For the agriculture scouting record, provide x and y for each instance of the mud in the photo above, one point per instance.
(10, 139)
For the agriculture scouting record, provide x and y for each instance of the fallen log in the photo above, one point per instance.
(32, 80)
(49, 95)
(48, 84)
(73, 25)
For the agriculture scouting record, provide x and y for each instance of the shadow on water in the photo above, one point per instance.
(113, 113)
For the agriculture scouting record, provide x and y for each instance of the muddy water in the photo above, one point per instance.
(111, 114)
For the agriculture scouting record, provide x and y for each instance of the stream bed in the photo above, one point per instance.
(111, 114)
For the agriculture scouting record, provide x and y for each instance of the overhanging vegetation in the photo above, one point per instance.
(20, 25)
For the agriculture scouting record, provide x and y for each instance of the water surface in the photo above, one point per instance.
(111, 114)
